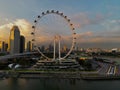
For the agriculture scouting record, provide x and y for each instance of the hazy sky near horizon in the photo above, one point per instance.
(97, 22)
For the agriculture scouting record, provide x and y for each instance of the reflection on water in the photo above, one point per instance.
(58, 84)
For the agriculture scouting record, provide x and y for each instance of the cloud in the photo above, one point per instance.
(110, 35)
(4, 29)
(109, 29)
(83, 19)
(43, 34)
(24, 26)
(112, 27)
(115, 21)
(86, 34)
(107, 38)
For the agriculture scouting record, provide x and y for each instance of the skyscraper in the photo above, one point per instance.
(3, 46)
(22, 44)
(29, 46)
(14, 40)
(6, 47)
(51, 48)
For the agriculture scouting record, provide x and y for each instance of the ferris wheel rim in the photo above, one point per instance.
(69, 23)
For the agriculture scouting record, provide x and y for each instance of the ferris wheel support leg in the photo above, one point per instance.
(54, 50)
(59, 50)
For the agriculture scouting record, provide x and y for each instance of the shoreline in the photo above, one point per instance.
(58, 74)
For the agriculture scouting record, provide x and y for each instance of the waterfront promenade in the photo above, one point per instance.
(85, 75)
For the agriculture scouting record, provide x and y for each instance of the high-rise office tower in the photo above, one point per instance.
(51, 48)
(3, 46)
(14, 40)
(29, 46)
(22, 44)
(0, 46)
(8, 49)
(42, 48)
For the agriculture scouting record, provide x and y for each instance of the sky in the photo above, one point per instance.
(97, 22)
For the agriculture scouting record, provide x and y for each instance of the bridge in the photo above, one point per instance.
(11, 56)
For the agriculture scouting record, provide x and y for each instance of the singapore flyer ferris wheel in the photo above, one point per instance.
(55, 36)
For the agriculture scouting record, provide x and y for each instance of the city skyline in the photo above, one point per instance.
(96, 22)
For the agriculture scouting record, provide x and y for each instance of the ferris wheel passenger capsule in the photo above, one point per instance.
(71, 24)
(47, 11)
(74, 33)
(33, 39)
(57, 12)
(43, 13)
(68, 20)
(52, 11)
(35, 21)
(73, 28)
(74, 37)
(38, 16)
(32, 33)
(33, 26)
(65, 16)
(61, 14)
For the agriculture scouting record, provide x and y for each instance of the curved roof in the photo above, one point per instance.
(15, 28)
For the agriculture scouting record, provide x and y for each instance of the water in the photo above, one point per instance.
(58, 84)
